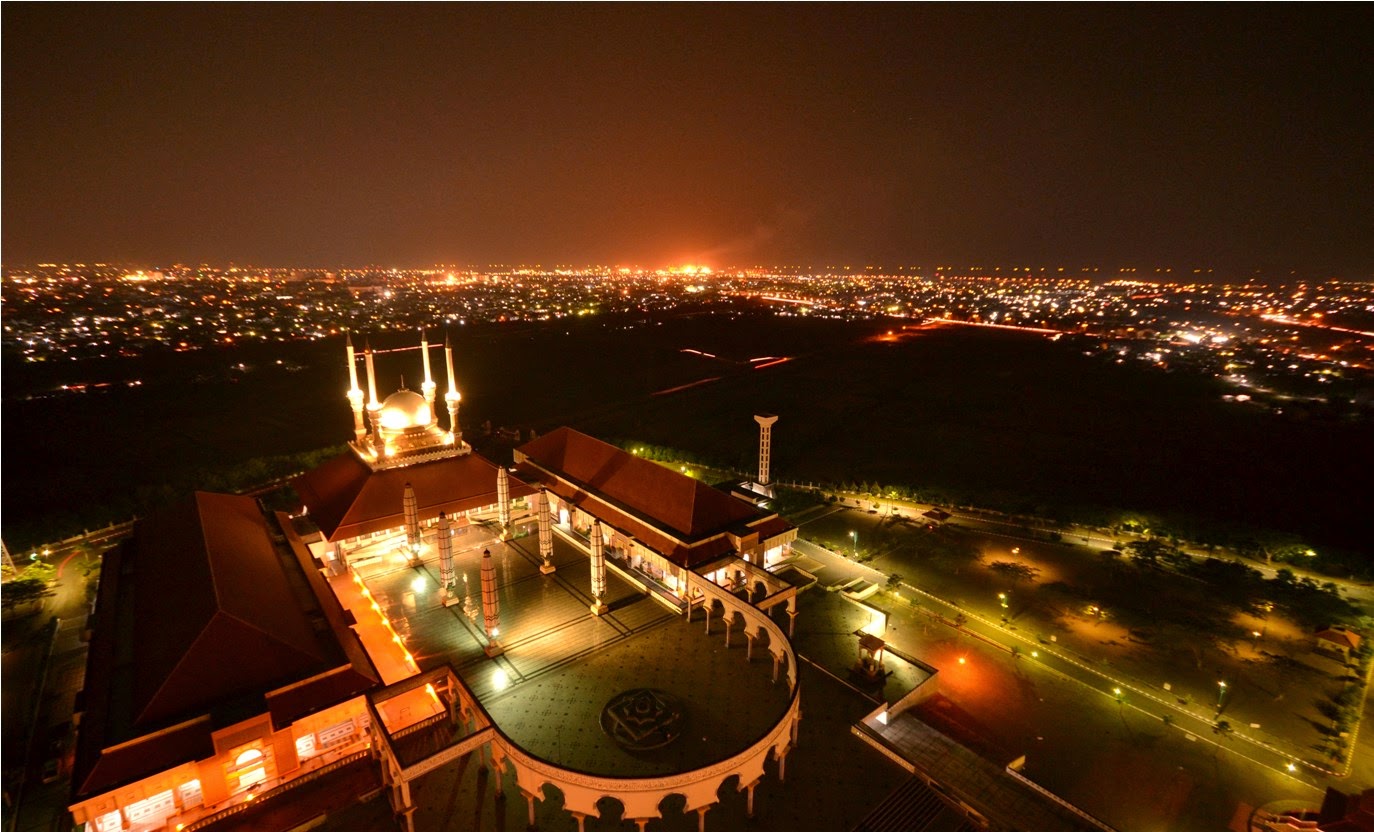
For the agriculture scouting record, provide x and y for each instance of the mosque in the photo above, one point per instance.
(556, 620)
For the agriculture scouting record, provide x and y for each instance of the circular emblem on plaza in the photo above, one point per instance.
(643, 719)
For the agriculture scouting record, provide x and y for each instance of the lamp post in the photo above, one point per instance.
(1221, 693)
(1005, 601)
(854, 536)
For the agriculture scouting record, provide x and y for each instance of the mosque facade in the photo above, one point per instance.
(239, 654)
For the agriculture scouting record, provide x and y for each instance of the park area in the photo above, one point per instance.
(1210, 637)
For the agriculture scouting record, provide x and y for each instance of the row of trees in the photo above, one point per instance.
(24, 533)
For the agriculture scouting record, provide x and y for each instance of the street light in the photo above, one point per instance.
(853, 535)
(1005, 601)
(1221, 693)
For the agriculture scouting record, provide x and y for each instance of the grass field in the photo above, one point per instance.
(1006, 418)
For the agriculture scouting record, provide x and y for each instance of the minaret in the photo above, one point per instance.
(410, 507)
(355, 396)
(374, 407)
(545, 532)
(429, 387)
(598, 570)
(491, 613)
(452, 397)
(503, 497)
(445, 560)
(765, 445)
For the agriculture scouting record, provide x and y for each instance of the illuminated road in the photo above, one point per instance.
(1049, 729)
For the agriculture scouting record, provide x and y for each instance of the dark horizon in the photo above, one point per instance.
(1230, 137)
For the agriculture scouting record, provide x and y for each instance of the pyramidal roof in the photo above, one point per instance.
(214, 615)
(346, 497)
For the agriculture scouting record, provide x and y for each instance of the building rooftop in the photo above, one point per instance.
(201, 618)
(347, 498)
(685, 506)
(679, 516)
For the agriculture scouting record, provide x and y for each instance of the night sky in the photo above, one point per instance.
(1232, 136)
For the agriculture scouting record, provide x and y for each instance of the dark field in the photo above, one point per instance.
(975, 416)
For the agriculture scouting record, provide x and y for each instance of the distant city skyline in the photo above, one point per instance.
(1233, 137)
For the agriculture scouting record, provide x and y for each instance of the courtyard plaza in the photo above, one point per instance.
(833, 782)
(560, 664)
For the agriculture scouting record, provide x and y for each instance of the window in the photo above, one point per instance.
(190, 794)
(248, 769)
(109, 822)
(150, 808)
(305, 746)
(336, 734)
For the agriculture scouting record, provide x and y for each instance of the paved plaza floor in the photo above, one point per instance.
(561, 665)
(833, 781)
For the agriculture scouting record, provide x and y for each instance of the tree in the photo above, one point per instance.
(1150, 551)
(894, 580)
(23, 590)
(1015, 570)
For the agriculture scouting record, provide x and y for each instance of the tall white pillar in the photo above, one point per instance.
(452, 397)
(598, 570)
(355, 395)
(503, 497)
(411, 508)
(429, 387)
(766, 422)
(545, 532)
(491, 613)
(374, 407)
(446, 580)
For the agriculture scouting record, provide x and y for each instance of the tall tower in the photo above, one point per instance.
(765, 445)
(429, 387)
(452, 398)
(355, 395)
(374, 407)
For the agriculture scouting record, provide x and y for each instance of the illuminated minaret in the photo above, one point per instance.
(374, 407)
(452, 397)
(355, 396)
(765, 445)
(545, 533)
(429, 387)
(598, 570)
(491, 613)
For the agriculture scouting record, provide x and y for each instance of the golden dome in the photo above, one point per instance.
(404, 409)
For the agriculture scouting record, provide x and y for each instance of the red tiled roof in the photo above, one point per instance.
(689, 554)
(1341, 636)
(687, 507)
(772, 527)
(346, 498)
(210, 588)
(145, 755)
(1341, 812)
(199, 617)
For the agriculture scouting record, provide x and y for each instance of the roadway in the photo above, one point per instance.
(1354, 591)
(1045, 729)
